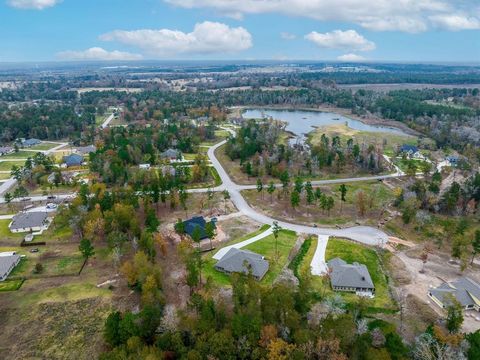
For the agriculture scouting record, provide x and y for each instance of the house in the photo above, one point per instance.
(452, 160)
(168, 170)
(85, 150)
(67, 177)
(30, 142)
(5, 150)
(243, 261)
(29, 222)
(8, 261)
(350, 277)
(196, 222)
(144, 166)
(464, 290)
(171, 154)
(409, 150)
(72, 160)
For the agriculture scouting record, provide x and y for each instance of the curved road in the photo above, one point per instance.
(364, 234)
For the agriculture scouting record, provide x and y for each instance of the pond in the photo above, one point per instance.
(301, 122)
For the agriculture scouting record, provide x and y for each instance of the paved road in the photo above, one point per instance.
(363, 234)
(318, 265)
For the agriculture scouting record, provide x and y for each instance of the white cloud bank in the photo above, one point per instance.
(98, 53)
(206, 38)
(33, 4)
(338, 39)
(379, 15)
(351, 58)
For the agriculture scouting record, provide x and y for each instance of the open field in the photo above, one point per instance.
(44, 146)
(10, 285)
(390, 142)
(7, 165)
(18, 155)
(377, 198)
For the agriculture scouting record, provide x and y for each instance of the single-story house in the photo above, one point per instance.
(243, 261)
(67, 177)
(350, 277)
(8, 261)
(196, 222)
(171, 154)
(29, 222)
(464, 289)
(73, 160)
(5, 150)
(85, 150)
(30, 142)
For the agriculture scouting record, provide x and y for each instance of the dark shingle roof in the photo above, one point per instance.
(195, 222)
(349, 275)
(170, 154)
(409, 148)
(236, 260)
(28, 220)
(464, 290)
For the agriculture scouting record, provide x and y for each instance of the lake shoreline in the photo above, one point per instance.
(373, 121)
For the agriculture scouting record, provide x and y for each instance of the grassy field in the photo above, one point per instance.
(10, 285)
(44, 146)
(351, 252)
(388, 140)
(265, 247)
(5, 176)
(7, 165)
(18, 155)
(377, 197)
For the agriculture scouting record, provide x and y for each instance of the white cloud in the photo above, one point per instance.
(351, 58)
(287, 36)
(456, 22)
(379, 15)
(338, 39)
(97, 53)
(206, 38)
(33, 4)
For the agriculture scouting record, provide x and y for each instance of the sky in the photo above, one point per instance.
(333, 30)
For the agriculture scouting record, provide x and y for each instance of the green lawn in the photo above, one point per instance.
(6, 234)
(266, 247)
(44, 146)
(351, 252)
(7, 165)
(11, 285)
(19, 155)
(5, 176)
(218, 277)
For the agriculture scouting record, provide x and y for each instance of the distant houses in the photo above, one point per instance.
(411, 152)
(5, 150)
(171, 154)
(8, 261)
(85, 150)
(464, 290)
(350, 277)
(29, 222)
(26, 143)
(73, 160)
(243, 261)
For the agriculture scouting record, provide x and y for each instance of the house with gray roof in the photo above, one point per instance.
(464, 290)
(5, 150)
(8, 261)
(243, 261)
(171, 154)
(85, 150)
(29, 222)
(350, 277)
(73, 160)
(30, 142)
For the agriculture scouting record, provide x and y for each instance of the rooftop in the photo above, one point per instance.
(349, 275)
(6, 263)
(243, 261)
(27, 220)
(465, 290)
